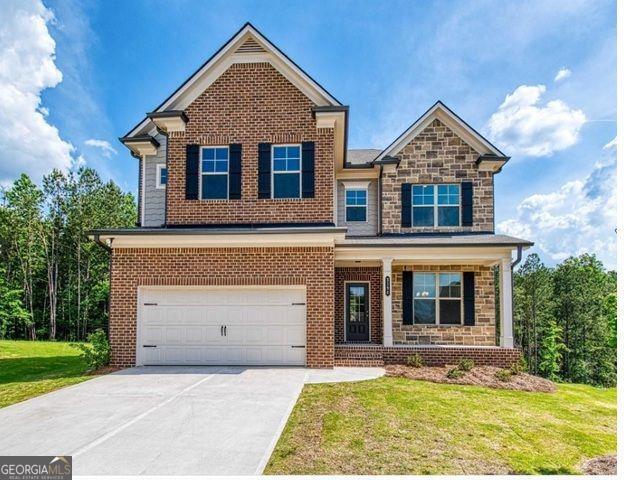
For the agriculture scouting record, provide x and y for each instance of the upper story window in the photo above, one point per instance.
(356, 205)
(286, 171)
(214, 172)
(437, 298)
(162, 176)
(435, 205)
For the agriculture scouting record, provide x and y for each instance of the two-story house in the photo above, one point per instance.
(263, 240)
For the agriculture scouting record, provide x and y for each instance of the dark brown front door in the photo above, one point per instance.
(357, 312)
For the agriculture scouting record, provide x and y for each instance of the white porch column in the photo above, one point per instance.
(387, 301)
(505, 290)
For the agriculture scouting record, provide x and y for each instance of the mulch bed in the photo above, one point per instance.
(479, 376)
(600, 466)
(104, 370)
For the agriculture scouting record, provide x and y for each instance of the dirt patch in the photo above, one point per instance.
(605, 465)
(480, 376)
(104, 370)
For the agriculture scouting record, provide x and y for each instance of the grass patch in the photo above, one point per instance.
(29, 369)
(402, 426)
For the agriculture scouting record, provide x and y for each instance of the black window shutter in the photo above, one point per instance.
(192, 155)
(469, 298)
(235, 171)
(467, 204)
(408, 294)
(264, 178)
(308, 169)
(406, 205)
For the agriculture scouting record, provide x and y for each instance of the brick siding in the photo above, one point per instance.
(359, 274)
(482, 333)
(309, 266)
(437, 155)
(250, 103)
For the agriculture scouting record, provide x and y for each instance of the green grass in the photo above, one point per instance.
(28, 369)
(401, 426)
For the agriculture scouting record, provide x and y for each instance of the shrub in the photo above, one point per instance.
(454, 373)
(519, 366)
(466, 364)
(504, 375)
(96, 352)
(415, 360)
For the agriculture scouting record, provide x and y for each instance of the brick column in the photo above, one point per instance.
(505, 293)
(386, 284)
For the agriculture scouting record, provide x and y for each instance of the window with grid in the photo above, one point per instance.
(437, 298)
(286, 171)
(214, 173)
(435, 205)
(356, 205)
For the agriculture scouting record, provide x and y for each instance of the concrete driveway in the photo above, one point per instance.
(164, 420)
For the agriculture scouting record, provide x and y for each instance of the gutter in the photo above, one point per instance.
(100, 242)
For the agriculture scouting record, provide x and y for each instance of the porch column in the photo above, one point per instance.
(505, 291)
(387, 302)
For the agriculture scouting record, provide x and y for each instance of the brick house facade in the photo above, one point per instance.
(247, 257)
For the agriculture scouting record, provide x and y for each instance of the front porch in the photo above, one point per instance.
(391, 302)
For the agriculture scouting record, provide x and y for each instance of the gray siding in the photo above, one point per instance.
(154, 203)
(359, 228)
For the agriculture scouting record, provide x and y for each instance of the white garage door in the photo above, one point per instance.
(221, 326)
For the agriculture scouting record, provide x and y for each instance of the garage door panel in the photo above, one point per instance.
(185, 324)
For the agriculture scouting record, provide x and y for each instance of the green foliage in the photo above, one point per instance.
(519, 366)
(454, 373)
(53, 272)
(503, 375)
(466, 364)
(415, 360)
(96, 353)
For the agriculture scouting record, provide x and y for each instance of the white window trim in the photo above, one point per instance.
(200, 172)
(346, 282)
(158, 183)
(346, 205)
(299, 171)
(437, 299)
(435, 205)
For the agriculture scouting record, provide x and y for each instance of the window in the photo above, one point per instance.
(437, 298)
(214, 172)
(162, 176)
(356, 205)
(286, 174)
(435, 205)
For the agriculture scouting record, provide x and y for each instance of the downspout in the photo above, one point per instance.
(519, 249)
(110, 251)
(380, 219)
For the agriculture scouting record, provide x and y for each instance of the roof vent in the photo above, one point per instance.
(250, 46)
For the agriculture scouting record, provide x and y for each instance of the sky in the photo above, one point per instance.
(536, 77)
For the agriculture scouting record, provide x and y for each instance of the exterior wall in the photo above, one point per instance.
(154, 202)
(309, 266)
(437, 155)
(375, 355)
(482, 333)
(370, 227)
(358, 274)
(250, 103)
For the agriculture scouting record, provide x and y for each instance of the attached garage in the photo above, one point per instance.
(221, 325)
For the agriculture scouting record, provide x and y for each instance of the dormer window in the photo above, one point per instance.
(356, 204)
(214, 173)
(435, 205)
(286, 171)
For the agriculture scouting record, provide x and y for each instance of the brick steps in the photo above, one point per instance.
(351, 362)
(355, 355)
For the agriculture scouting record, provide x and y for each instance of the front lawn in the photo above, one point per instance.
(401, 426)
(28, 369)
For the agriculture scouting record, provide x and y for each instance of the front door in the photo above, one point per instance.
(357, 312)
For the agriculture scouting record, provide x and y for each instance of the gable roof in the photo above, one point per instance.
(247, 45)
(450, 119)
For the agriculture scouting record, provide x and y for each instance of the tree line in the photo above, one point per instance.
(565, 319)
(54, 282)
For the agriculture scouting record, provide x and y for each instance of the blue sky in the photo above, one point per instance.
(86, 73)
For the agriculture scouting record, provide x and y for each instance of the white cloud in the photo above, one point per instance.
(578, 217)
(562, 74)
(521, 126)
(103, 145)
(28, 142)
(609, 145)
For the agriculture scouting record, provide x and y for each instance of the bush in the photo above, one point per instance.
(466, 364)
(504, 375)
(454, 373)
(519, 367)
(415, 361)
(96, 352)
